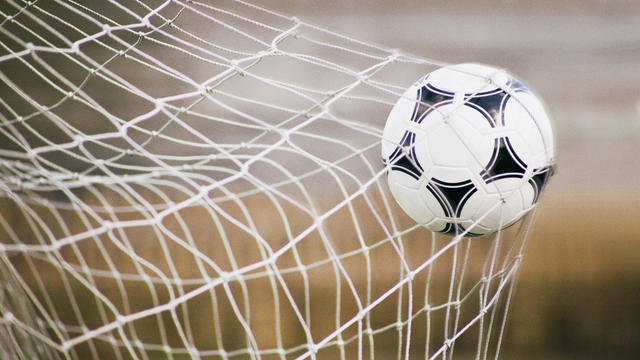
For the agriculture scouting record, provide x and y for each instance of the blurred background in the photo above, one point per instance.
(578, 293)
(579, 289)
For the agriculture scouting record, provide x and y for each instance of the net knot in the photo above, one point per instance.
(313, 348)
(107, 225)
(362, 77)
(204, 89)
(395, 54)
(448, 343)
(235, 64)
(166, 349)
(121, 320)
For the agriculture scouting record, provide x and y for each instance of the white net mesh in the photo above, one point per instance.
(188, 179)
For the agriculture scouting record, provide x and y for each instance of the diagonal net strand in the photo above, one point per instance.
(186, 180)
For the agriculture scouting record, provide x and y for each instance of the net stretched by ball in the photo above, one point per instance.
(202, 180)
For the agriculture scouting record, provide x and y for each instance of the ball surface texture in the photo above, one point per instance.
(468, 150)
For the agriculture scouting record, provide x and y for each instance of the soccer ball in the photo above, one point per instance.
(468, 150)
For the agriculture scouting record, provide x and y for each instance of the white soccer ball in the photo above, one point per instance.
(468, 148)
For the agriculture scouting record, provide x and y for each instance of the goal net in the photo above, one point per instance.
(202, 180)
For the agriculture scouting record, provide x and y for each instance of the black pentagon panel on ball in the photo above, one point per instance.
(539, 180)
(428, 97)
(504, 163)
(488, 103)
(404, 157)
(491, 105)
(451, 196)
(434, 92)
